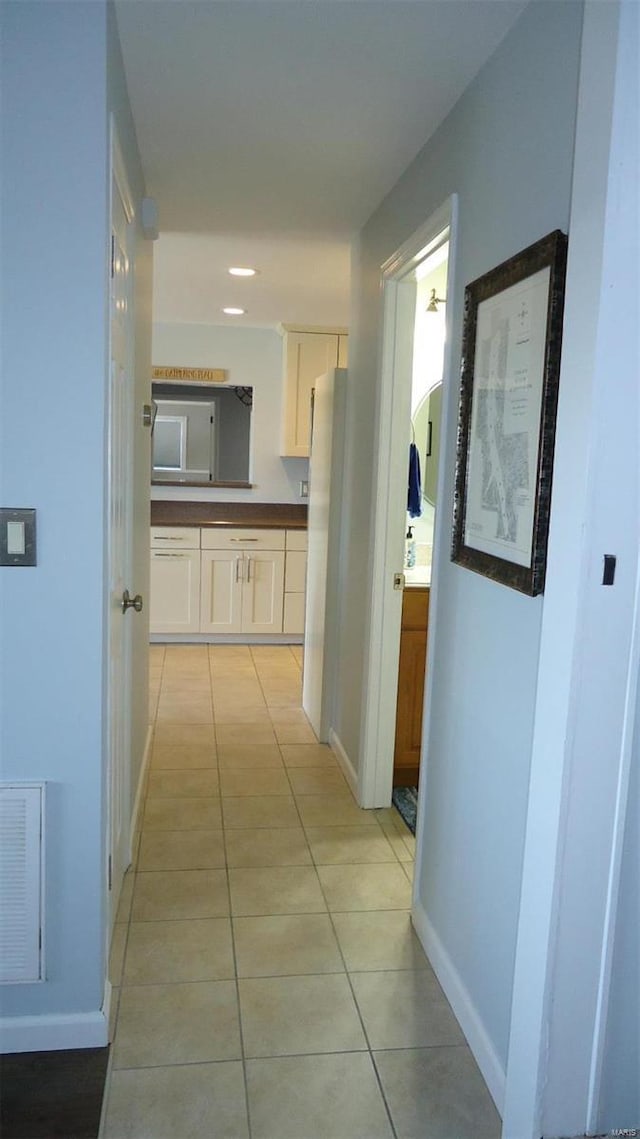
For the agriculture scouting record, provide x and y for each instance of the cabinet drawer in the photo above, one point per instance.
(296, 539)
(242, 539)
(175, 537)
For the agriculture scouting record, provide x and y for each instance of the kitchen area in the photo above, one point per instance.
(229, 480)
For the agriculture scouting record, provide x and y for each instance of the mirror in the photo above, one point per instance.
(426, 426)
(201, 435)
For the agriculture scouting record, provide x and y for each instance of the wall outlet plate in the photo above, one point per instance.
(304, 488)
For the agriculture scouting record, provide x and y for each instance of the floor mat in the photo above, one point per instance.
(52, 1095)
(405, 800)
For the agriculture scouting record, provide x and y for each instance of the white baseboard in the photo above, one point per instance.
(462, 1005)
(54, 1032)
(140, 788)
(348, 770)
(106, 1004)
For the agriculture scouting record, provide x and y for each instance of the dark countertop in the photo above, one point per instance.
(266, 515)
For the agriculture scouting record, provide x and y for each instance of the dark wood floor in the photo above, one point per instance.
(52, 1095)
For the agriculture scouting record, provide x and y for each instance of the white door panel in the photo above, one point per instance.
(120, 542)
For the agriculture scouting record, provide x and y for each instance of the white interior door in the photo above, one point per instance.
(120, 537)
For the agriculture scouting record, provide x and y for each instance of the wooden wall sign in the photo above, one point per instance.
(190, 375)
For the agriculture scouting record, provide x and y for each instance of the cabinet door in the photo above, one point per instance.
(411, 676)
(295, 571)
(293, 620)
(308, 355)
(263, 591)
(175, 591)
(221, 591)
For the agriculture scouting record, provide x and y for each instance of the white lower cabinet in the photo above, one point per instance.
(175, 591)
(262, 591)
(234, 584)
(241, 592)
(295, 579)
(220, 592)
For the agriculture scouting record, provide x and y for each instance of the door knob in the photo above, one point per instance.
(131, 602)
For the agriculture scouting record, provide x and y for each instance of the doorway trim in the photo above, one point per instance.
(379, 709)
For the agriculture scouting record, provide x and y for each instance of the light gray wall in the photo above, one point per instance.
(55, 241)
(506, 150)
(253, 357)
(620, 1095)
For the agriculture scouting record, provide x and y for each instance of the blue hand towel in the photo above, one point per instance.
(414, 497)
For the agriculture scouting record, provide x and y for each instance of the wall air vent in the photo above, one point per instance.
(21, 882)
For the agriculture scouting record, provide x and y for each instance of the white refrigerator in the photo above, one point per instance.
(326, 465)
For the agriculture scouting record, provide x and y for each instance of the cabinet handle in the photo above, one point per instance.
(248, 569)
(165, 538)
(158, 554)
(238, 561)
(244, 539)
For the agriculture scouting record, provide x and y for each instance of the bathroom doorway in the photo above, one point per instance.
(419, 272)
(423, 439)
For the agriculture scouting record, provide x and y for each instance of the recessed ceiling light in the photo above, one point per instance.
(234, 311)
(239, 271)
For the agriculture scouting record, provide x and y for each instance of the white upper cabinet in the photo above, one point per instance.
(308, 353)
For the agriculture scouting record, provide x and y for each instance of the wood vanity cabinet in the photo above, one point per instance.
(411, 680)
(308, 353)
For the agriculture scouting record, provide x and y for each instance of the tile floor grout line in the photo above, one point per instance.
(234, 954)
(295, 1055)
(362, 1024)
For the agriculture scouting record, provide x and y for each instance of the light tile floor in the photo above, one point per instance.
(267, 982)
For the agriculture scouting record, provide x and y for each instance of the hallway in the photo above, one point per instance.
(267, 983)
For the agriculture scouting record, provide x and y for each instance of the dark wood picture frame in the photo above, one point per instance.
(519, 344)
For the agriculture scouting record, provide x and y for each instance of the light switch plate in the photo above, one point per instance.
(17, 537)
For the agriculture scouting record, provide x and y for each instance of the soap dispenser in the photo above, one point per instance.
(409, 550)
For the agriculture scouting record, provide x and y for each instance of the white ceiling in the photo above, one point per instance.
(275, 127)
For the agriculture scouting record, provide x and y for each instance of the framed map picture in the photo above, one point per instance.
(511, 344)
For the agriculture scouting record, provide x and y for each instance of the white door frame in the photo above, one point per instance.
(390, 492)
(118, 178)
